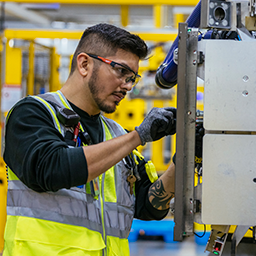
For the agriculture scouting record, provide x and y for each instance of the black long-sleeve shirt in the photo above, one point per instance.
(38, 154)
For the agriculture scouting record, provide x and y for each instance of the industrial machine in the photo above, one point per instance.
(217, 44)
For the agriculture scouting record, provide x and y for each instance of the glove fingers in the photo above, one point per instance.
(159, 126)
(158, 123)
(199, 141)
(171, 125)
(171, 128)
(173, 110)
(168, 114)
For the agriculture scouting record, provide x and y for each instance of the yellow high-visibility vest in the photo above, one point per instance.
(71, 221)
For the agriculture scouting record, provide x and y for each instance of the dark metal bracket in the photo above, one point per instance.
(185, 136)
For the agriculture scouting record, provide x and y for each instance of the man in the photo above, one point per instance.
(71, 170)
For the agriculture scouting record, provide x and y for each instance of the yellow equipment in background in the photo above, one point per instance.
(16, 74)
(11, 91)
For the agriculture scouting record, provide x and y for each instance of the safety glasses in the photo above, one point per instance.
(121, 71)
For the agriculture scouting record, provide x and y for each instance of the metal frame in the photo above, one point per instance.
(116, 2)
(31, 34)
(185, 144)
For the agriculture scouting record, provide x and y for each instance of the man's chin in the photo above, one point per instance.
(109, 110)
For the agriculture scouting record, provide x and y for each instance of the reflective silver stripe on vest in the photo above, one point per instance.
(51, 110)
(118, 220)
(64, 206)
(53, 97)
(117, 129)
(73, 206)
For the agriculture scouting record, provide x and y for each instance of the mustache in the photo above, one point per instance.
(123, 92)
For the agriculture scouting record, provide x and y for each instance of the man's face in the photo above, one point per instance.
(106, 85)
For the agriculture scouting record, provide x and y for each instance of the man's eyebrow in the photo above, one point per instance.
(125, 65)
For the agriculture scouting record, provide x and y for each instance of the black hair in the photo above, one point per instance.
(105, 39)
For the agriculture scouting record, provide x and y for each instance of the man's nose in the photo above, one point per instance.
(127, 86)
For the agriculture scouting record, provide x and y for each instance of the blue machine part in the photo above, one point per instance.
(166, 76)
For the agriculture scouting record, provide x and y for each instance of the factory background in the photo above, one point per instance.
(37, 42)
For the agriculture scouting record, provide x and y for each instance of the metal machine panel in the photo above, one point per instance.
(229, 179)
(230, 85)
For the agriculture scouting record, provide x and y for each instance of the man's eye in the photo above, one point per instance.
(130, 79)
(123, 71)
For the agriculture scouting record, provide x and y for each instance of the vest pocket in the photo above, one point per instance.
(117, 246)
(27, 248)
(124, 197)
(29, 236)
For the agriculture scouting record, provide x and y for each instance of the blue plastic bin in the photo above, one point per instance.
(152, 228)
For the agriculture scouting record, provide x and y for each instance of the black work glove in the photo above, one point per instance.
(199, 144)
(158, 123)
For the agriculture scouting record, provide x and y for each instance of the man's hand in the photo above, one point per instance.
(199, 144)
(157, 124)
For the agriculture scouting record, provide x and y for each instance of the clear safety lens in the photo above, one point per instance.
(127, 74)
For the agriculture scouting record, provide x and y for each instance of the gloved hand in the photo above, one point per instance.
(199, 144)
(158, 123)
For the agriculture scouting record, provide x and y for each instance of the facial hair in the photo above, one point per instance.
(95, 89)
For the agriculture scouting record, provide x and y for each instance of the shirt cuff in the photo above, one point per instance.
(78, 166)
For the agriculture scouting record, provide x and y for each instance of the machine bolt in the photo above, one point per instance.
(245, 93)
(245, 78)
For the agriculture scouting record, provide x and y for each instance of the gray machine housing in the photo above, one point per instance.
(226, 195)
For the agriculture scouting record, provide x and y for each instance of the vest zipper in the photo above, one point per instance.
(101, 197)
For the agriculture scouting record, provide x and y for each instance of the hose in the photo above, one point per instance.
(166, 75)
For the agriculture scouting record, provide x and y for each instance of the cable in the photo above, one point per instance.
(202, 234)
(223, 237)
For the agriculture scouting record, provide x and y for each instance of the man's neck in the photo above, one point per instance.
(80, 96)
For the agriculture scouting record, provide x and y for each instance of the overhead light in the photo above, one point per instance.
(54, 6)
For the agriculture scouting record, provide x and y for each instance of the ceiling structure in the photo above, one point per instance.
(56, 24)
(64, 15)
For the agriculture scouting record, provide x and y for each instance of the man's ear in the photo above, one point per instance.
(83, 63)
